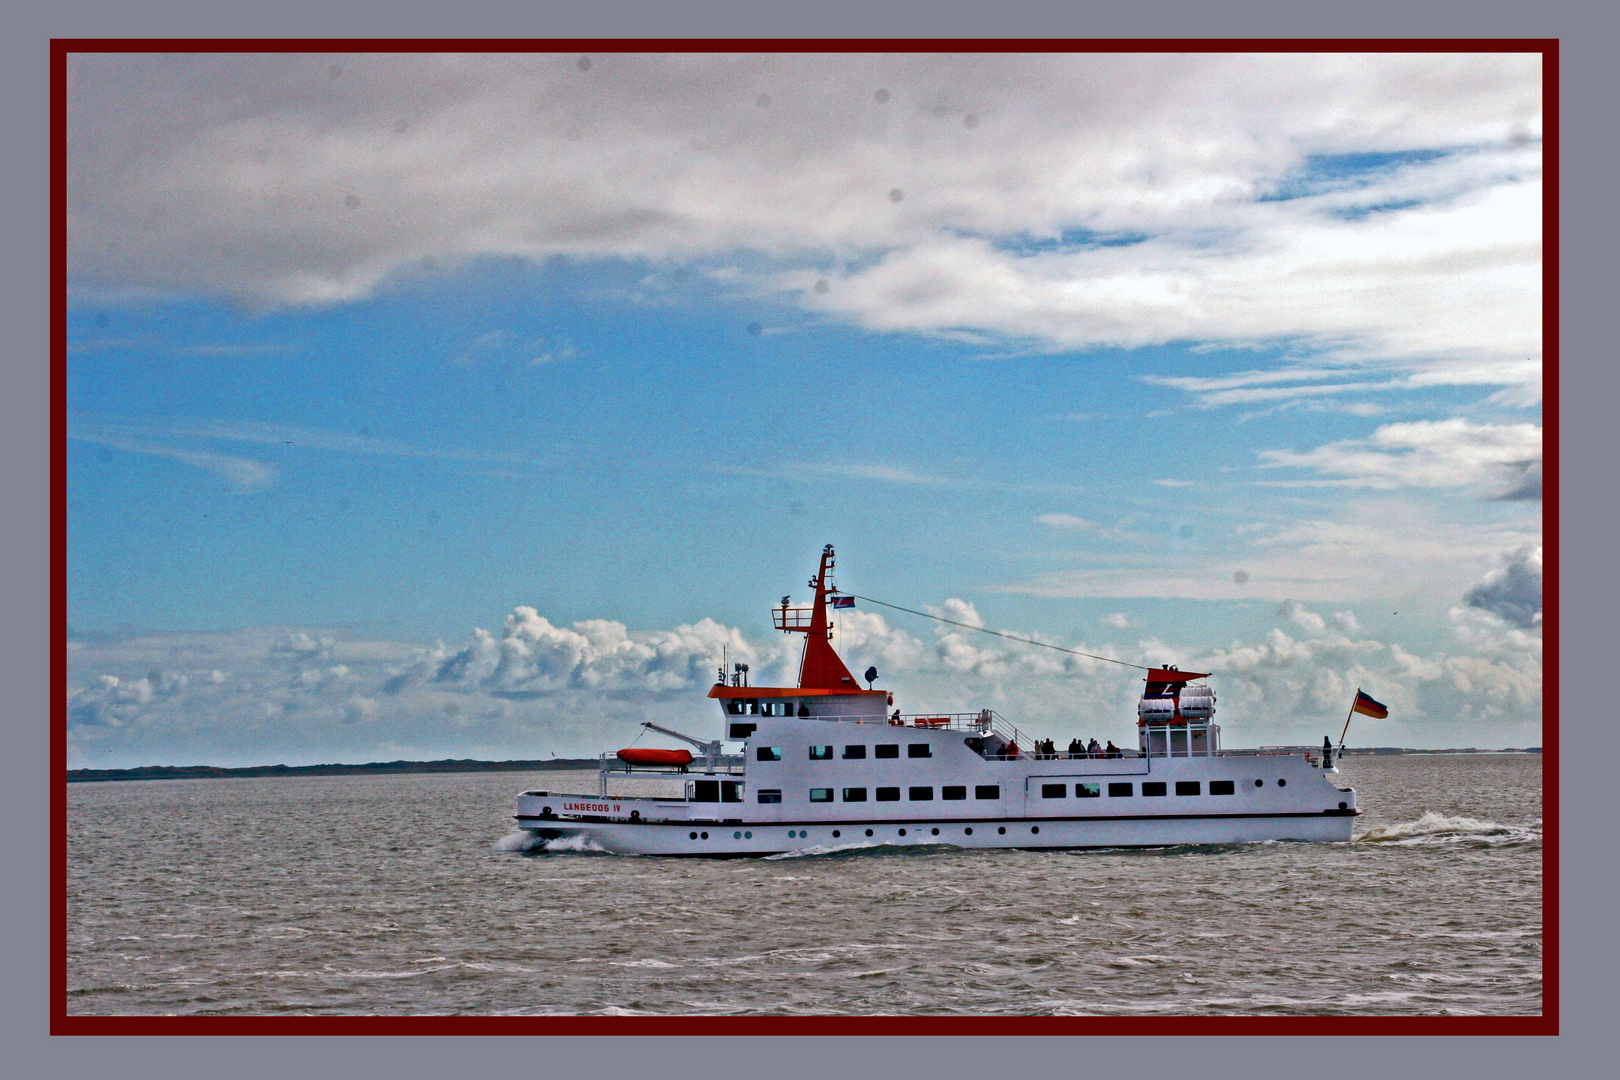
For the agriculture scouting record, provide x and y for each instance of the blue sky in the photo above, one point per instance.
(1256, 388)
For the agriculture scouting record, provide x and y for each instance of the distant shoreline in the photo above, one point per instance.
(462, 765)
(374, 768)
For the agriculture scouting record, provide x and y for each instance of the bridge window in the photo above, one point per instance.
(1119, 791)
(853, 753)
(883, 750)
(1152, 787)
(1220, 787)
(1188, 787)
(919, 749)
(921, 794)
(987, 791)
(1087, 791)
(854, 794)
(956, 791)
(888, 794)
(768, 753)
(1054, 791)
(821, 794)
(770, 795)
(821, 753)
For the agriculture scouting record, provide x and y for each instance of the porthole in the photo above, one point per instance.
(1002, 829)
(693, 835)
(1259, 783)
(836, 834)
(903, 832)
(968, 830)
(737, 835)
(705, 835)
(1344, 806)
(1034, 828)
(748, 836)
(868, 832)
(936, 832)
(1282, 783)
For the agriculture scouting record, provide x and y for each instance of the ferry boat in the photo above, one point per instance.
(829, 764)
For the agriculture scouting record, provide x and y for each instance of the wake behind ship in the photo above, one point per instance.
(825, 764)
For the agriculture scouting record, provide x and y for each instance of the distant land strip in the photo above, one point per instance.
(458, 765)
(375, 768)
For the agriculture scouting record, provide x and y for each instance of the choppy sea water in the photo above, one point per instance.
(412, 895)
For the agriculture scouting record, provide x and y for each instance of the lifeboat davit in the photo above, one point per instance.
(647, 756)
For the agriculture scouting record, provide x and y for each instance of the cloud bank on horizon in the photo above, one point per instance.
(1362, 231)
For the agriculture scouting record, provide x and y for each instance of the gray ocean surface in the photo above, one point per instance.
(413, 895)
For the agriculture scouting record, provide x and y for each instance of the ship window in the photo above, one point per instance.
(821, 753)
(742, 731)
(1119, 791)
(851, 753)
(769, 753)
(854, 794)
(1187, 787)
(821, 794)
(1054, 791)
(1087, 791)
(921, 794)
(730, 791)
(1153, 787)
(753, 706)
(954, 791)
(919, 749)
(706, 791)
(888, 794)
(1220, 787)
(770, 795)
(735, 708)
(987, 791)
(883, 750)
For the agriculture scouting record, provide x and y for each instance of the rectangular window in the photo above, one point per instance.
(888, 794)
(987, 791)
(821, 794)
(854, 753)
(706, 791)
(1220, 787)
(769, 753)
(731, 791)
(1054, 791)
(854, 794)
(919, 749)
(770, 795)
(1119, 791)
(742, 731)
(1187, 787)
(957, 791)
(921, 794)
(1087, 791)
(734, 707)
(882, 750)
(821, 753)
(1152, 787)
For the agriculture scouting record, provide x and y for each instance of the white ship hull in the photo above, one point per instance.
(741, 840)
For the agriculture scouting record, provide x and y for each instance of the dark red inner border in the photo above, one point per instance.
(1545, 1024)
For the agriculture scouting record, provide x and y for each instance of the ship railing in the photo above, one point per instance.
(797, 618)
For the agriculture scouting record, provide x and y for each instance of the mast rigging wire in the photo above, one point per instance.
(998, 633)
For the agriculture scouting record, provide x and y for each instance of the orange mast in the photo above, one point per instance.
(820, 668)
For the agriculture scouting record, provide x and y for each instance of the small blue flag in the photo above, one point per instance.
(843, 601)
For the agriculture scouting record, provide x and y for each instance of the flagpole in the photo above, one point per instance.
(1347, 717)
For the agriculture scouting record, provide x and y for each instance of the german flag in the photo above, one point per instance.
(1366, 706)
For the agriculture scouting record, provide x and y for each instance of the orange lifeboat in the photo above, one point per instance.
(648, 756)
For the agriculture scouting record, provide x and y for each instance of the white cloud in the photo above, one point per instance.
(1103, 199)
(1118, 620)
(503, 346)
(1512, 590)
(1502, 458)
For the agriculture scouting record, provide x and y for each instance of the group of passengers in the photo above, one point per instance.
(1079, 749)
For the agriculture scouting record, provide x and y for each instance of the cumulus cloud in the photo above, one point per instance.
(1374, 208)
(1504, 459)
(1512, 591)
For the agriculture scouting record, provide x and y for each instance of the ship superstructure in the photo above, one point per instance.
(829, 763)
